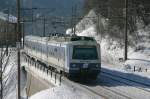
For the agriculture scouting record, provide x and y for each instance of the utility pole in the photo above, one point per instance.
(98, 24)
(126, 31)
(23, 33)
(44, 23)
(72, 22)
(18, 47)
(22, 29)
(7, 32)
(73, 19)
(75, 12)
(32, 21)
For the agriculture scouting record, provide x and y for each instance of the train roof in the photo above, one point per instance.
(62, 38)
(70, 38)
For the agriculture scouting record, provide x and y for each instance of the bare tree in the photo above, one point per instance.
(4, 60)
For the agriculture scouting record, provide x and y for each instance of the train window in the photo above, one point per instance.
(55, 49)
(85, 52)
(49, 53)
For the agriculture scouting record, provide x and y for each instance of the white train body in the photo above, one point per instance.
(71, 55)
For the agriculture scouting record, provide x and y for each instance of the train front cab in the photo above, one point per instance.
(85, 61)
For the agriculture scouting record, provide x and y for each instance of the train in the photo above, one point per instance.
(73, 56)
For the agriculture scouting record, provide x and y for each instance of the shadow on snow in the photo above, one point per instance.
(108, 82)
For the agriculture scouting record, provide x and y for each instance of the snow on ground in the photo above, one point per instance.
(61, 93)
(139, 60)
(10, 74)
(10, 77)
(129, 74)
(140, 57)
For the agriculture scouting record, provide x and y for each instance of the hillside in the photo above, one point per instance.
(112, 40)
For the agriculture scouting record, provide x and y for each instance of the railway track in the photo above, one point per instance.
(107, 93)
(126, 81)
(110, 93)
(102, 91)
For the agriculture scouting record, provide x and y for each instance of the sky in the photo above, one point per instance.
(58, 7)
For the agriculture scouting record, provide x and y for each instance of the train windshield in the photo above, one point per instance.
(85, 53)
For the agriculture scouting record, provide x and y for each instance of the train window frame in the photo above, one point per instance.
(86, 47)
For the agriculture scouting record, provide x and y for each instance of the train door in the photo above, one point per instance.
(67, 58)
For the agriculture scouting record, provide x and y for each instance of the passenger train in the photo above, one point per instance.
(69, 55)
